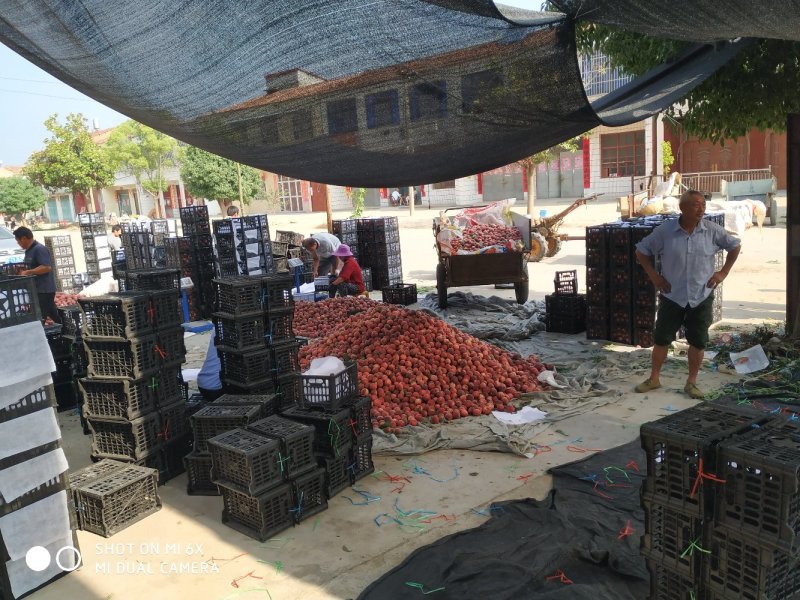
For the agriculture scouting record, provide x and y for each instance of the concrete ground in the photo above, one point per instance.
(185, 551)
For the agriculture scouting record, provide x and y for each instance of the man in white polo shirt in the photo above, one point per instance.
(322, 246)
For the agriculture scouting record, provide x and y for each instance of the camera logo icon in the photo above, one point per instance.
(38, 558)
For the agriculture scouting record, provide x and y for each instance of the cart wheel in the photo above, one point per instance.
(538, 247)
(773, 212)
(521, 289)
(553, 246)
(441, 286)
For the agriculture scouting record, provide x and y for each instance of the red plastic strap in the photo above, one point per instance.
(701, 475)
(235, 582)
(164, 433)
(561, 577)
(626, 531)
(158, 349)
(632, 465)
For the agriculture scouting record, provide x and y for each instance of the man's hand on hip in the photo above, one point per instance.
(716, 279)
(662, 285)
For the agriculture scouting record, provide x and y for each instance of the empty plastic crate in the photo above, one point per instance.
(761, 494)
(329, 391)
(566, 282)
(19, 302)
(667, 584)
(153, 279)
(269, 403)
(361, 458)
(113, 502)
(119, 400)
(240, 332)
(174, 422)
(259, 517)
(91, 473)
(332, 431)
(212, 420)
(297, 442)
(676, 444)
(120, 316)
(198, 475)
(246, 461)
(245, 367)
(668, 534)
(131, 359)
(310, 495)
(290, 237)
(360, 423)
(238, 295)
(285, 358)
(337, 474)
(126, 440)
(400, 293)
(276, 292)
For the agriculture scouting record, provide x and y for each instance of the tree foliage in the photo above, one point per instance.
(18, 195)
(667, 158)
(143, 153)
(756, 89)
(210, 176)
(70, 159)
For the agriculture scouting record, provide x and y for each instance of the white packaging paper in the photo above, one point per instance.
(37, 524)
(30, 431)
(37, 360)
(24, 477)
(750, 360)
(528, 414)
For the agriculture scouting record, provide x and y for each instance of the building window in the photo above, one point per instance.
(622, 154)
(270, 134)
(302, 125)
(444, 185)
(342, 116)
(383, 109)
(599, 76)
(429, 100)
(290, 193)
(124, 202)
(477, 89)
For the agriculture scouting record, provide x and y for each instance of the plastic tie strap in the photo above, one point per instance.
(235, 582)
(701, 475)
(693, 545)
(561, 577)
(153, 383)
(282, 459)
(333, 435)
(160, 351)
(421, 587)
(164, 433)
(299, 508)
(368, 497)
(626, 531)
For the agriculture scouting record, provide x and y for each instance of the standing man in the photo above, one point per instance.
(115, 239)
(39, 263)
(687, 246)
(322, 246)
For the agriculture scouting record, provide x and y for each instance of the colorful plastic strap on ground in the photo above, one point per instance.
(537, 450)
(417, 470)
(582, 450)
(421, 587)
(626, 531)
(693, 545)
(277, 543)
(277, 564)
(561, 577)
(235, 582)
(368, 498)
(701, 475)
(632, 464)
(216, 560)
(525, 477)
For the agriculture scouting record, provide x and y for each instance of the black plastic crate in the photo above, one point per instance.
(170, 459)
(168, 386)
(360, 416)
(676, 444)
(643, 337)
(290, 389)
(337, 475)
(666, 584)
(290, 237)
(332, 431)
(238, 295)
(39, 399)
(563, 324)
(131, 359)
(166, 310)
(566, 282)
(361, 463)
(198, 475)
(259, 517)
(668, 534)
(153, 279)
(276, 292)
(297, 443)
(124, 315)
(761, 495)
(190, 214)
(566, 305)
(245, 367)
(310, 495)
(19, 302)
(119, 400)
(66, 394)
(366, 273)
(111, 503)
(279, 249)
(194, 403)
(597, 324)
(741, 567)
(239, 333)
(269, 403)
(246, 461)
(126, 440)
(196, 228)
(174, 422)
(212, 420)
(170, 348)
(285, 358)
(58, 241)
(339, 226)
(329, 391)
(400, 293)
(278, 325)
(91, 473)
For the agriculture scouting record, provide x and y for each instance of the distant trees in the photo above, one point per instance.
(210, 176)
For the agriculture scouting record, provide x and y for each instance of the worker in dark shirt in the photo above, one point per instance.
(350, 281)
(39, 263)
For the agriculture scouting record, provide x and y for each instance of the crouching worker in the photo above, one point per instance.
(350, 281)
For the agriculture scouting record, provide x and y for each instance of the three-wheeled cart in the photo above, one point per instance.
(484, 269)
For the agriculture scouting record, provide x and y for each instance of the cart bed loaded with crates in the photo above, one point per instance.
(482, 245)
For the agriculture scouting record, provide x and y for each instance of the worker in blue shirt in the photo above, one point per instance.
(687, 246)
(209, 383)
(39, 263)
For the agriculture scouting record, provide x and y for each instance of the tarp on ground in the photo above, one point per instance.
(525, 544)
(366, 93)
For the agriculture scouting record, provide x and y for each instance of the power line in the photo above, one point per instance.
(31, 80)
(47, 95)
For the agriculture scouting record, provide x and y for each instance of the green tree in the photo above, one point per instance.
(530, 163)
(756, 89)
(145, 154)
(18, 196)
(70, 159)
(667, 157)
(357, 197)
(210, 176)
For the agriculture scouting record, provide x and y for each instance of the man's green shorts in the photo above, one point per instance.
(696, 320)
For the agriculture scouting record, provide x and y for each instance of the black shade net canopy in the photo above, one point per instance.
(368, 93)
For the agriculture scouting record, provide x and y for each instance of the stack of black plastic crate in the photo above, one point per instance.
(33, 464)
(72, 337)
(60, 247)
(347, 232)
(379, 250)
(198, 262)
(133, 398)
(96, 250)
(722, 503)
(267, 476)
(254, 337)
(66, 368)
(621, 301)
(243, 246)
(342, 425)
(566, 308)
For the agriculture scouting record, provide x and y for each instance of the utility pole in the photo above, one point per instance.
(793, 225)
(411, 200)
(241, 195)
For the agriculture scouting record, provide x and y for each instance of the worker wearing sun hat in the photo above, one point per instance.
(350, 281)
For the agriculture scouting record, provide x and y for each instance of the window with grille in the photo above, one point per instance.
(429, 100)
(622, 154)
(477, 88)
(342, 116)
(290, 194)
(383, 109)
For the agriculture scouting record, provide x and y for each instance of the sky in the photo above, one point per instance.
(28, 95)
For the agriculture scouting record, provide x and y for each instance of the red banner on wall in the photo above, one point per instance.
(587, 178)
